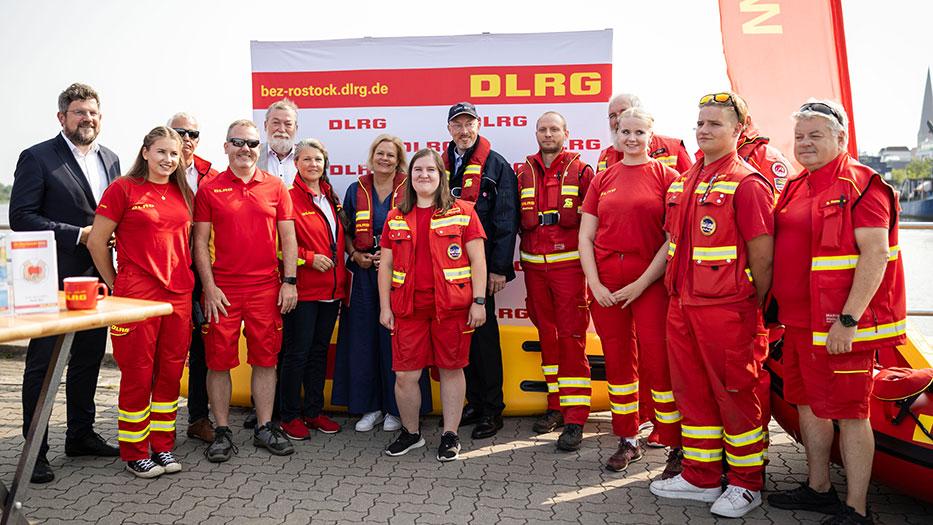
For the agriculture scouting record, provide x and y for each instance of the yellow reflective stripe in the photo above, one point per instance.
(668, 160)
(132, 417)
(749, 460)
(549, 257)
(747, 438)
(162, 426)
(676, 187)
(574, 400)
(133, 437)
(850, 371)
(692, 432)
(706, 455)
(718, 186)
(668, 417)
(464, 272)
(748, 272)
(624, 408)
(164, 408)
(570, 190)
(552, 388)
(714, 253)
(623, 390)
(662, 397)
(846, 262)
(571, 382)
(871, 333)
(894, 252)
(398, 277)
(670, 248)
(453, 220)
(362, 215)
(398, 224)
(472, 169)
(601, 166)
(528, 193)
(550, 369)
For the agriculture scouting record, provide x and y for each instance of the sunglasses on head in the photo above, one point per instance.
(721, 98)
(239, 143)
(823, 109)
(193, 133)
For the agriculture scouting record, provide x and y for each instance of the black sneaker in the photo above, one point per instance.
(571, 437)
(167, 461)
(805, 498)
(144, 468)
(404, 442)
(848, 516)
(271, 438)
(549, 422)
(449, 449)
(222, 448)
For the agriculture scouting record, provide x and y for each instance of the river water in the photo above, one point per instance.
(916, 248)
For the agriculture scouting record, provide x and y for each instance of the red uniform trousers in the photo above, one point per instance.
(151, 356)
(763, 390)
(557, 306)
(624, 360)
(714, 367)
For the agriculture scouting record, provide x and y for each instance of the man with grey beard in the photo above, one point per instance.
(56, 186)
(277, 154)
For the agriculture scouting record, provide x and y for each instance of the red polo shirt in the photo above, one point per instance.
(244, 216)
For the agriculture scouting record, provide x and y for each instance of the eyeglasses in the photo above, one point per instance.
(239, 143)
(823, 109)
(456, 126)
(721, 98)
(83, 113)
(193, 133)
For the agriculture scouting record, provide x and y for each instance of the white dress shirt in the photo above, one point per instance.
(191, 176)
(92, 166)
(284, 169)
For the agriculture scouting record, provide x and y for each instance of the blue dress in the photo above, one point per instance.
(363, 377)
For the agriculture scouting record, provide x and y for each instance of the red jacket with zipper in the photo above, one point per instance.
(315, 235)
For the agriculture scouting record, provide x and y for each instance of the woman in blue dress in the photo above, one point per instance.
(363, 377)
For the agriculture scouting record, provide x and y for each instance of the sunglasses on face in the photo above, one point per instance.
(721, 98)
(193, 133)
(823, 109)
(239, 143)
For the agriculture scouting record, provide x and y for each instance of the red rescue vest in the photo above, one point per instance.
(835, 254)
(453, 287)
(561, 216)
(364, 240)
(705, 245)
(473, 172)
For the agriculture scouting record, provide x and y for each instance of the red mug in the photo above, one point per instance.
(82, 293)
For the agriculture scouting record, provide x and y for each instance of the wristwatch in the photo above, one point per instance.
(290, 280)
(848, 321)
(479, 300)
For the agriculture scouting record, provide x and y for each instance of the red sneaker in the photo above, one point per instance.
(321, 423)
(296, 430)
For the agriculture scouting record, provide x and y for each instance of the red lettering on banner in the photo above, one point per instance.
(584, 144)
(348, 169)
(512, 313)
(570, 83)
(504, 121)
(360, 123)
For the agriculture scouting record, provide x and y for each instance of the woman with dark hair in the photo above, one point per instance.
(432, 282)
(363, 378)
(149, 212)
(319, 227)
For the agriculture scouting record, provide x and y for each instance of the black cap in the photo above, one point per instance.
(461, 108)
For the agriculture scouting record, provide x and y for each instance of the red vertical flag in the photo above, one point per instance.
(779, 53)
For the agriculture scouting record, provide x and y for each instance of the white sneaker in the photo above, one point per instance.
(735, 502)
(369, 421)
(391, 423)
(679, 488)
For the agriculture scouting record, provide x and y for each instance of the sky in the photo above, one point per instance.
(150, 59)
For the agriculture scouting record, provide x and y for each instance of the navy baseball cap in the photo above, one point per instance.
(461, 108)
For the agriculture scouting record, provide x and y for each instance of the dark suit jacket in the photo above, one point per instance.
(50, 192)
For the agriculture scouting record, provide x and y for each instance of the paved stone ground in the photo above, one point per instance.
(514, 478)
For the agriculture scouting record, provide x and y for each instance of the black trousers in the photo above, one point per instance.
(303, 361)
(484, 373)
(197, 378)
(87, 352)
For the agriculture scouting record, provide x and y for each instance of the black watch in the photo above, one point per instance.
(290, 280)
(479, 300)
(848, 321)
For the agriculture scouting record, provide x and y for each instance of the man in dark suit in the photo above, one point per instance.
(56, 186)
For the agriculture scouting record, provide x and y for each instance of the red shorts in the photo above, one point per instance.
(422, 340)
(256, 309)
(834, 386)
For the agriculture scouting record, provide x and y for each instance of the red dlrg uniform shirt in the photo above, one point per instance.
(244, 217)
(152, 233)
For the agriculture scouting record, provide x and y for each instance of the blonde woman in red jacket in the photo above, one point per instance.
(319, 227)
